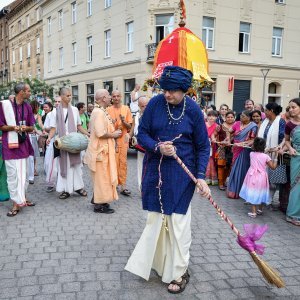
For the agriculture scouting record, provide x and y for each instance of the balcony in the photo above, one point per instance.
(151, 52)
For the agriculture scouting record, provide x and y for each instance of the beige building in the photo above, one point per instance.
(25, 40)
(111, 43)
(4, 50)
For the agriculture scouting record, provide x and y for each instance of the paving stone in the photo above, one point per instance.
(65, 251)
(71, 287)
(30, 290)
(51, 288)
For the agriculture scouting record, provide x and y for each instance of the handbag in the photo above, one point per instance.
(278, 175)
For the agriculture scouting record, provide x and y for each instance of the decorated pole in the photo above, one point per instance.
(247, 241)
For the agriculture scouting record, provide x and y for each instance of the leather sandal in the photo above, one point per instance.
(64, 195)
(13, 212)
(81, 192)
(126, 192)
(182, 284)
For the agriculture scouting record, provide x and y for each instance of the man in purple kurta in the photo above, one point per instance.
(16, 120)
(176, 120)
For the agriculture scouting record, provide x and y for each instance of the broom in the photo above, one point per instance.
(253, 233)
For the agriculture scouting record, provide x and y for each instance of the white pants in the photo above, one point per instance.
(50, 166)
(140, 158)
(30, 168)
(73, 181)
(167, 252)
(16, 180)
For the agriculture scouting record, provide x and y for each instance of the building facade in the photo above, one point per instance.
(111, 44)
(25, 38)
(4, 49)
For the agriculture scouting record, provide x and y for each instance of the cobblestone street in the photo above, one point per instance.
(61, 249)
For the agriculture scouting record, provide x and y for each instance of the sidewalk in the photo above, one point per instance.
(61, 249)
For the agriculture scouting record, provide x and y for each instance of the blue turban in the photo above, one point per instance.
(175, 78)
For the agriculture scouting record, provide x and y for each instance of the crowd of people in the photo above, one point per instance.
(248, 155)
(252, 156)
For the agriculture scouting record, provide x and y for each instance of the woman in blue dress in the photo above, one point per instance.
(171, 122)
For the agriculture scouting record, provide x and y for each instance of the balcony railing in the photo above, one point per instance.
(151, 51)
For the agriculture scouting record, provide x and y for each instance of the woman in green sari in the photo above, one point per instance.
(4, 194)
(292, 141)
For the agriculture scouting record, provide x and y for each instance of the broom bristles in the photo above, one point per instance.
(271, 275)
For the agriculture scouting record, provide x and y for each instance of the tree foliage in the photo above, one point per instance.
(39, 88)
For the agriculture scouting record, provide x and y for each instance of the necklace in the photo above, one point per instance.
(172, 119)
(106, 113)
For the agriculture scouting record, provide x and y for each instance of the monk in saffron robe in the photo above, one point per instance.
(100, 154)
(122, 120)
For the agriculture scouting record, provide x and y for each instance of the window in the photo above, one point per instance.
(107, 36)
(74, 94)
(74, 12)
(2, 56)
(107, 3)
(20, 25)
(129, 37)
(244, 38)
(38, 45)
(164, 26)
(108, 85)
(49, 61)
(13, 56)
(49, 25)
(60, 19)
(89, 49)
(28, 50)
(129, 86)
(6, 53)
(208, 32)
(277, 41)
(90, 93)
(89, 8)
(21, 54)
(61, 58)
(27, 21)
(74, 53)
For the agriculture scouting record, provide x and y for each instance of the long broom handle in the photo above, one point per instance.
(211, 200)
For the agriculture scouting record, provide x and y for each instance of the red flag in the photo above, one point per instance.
(183, 10)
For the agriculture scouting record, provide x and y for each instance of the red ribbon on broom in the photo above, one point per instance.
(253, 233)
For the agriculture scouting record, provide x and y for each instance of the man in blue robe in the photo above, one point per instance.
(171, 122)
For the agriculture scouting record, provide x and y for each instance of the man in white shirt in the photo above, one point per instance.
(134, 95)
(64, 120)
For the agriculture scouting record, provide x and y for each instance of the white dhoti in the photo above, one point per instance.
(16, 180)
(140, 158)
(73, 181)
(50, 166)
(167, 252)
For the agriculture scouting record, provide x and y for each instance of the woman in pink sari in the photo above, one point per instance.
(243, 132)
(211, 176)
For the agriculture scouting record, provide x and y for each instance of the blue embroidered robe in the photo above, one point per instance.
(192, 147)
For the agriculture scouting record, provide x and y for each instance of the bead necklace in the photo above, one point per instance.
(105, 111)
(173, 120)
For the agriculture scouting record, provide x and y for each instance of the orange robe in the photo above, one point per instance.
(121, 143)
(100, 158)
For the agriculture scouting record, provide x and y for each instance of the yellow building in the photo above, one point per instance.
(25, 40)
(111, 44)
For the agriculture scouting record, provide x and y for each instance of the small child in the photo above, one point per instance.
(255, 189)
(211, 176)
